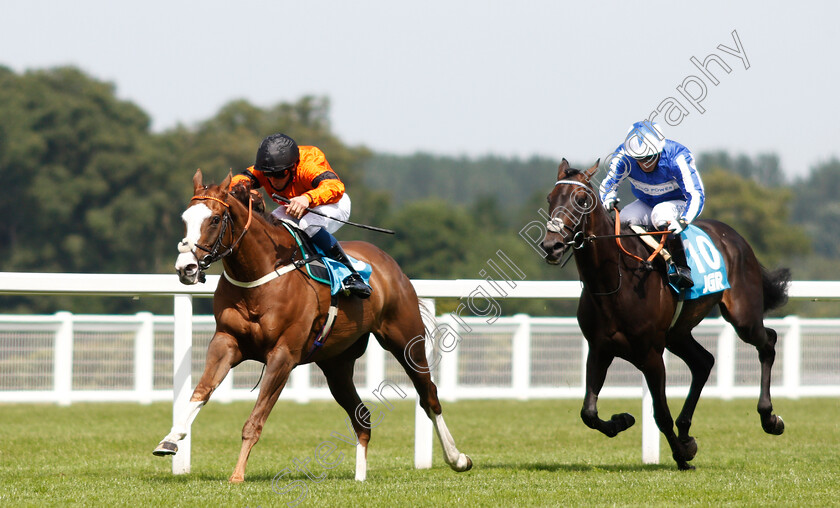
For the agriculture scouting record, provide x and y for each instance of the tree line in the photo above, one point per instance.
(91, 188)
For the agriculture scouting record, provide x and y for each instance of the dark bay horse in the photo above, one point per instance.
(277, 322)
(626, 309)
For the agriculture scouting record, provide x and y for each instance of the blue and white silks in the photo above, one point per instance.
(674, 178)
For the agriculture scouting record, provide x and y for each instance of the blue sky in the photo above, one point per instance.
(464, 77)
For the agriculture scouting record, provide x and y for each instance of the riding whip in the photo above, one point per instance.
(363, 226)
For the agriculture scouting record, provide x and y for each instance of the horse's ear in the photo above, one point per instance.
(591, 171)
(564, 165)
(198, 181)
(225, 185)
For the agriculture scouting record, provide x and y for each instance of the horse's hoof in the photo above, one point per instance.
(773, 425)
(165, 448)
(236, 479)
(682, 464)
(779, 427)
(690, 448)
(464, 463)
(620, 423)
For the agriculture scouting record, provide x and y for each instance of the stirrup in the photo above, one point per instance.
(356, 286)
(680, 277)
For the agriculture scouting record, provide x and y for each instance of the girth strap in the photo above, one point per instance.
(328, 324)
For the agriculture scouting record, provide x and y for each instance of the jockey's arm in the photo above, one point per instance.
(691, 186)
(326, 188)
(618, 169)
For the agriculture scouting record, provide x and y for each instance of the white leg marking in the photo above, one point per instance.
(456, 460)
(179, 430)
(361, 462)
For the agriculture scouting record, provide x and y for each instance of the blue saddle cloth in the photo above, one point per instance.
(708, 270)
(338, 272)
(326, 270)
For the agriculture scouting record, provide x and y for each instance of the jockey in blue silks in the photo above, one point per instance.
(668, 190)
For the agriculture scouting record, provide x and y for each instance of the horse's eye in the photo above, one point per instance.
(215, 220)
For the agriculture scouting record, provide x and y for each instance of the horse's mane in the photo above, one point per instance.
(242, 194)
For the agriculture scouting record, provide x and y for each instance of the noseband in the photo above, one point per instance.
(215, 252)
(555, 225)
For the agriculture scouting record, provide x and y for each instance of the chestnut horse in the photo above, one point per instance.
(626, 309)
(277, 322)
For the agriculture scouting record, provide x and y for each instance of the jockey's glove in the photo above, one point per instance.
(677, 226)
(610, 205)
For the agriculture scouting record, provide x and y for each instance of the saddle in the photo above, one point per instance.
(320, 267)
(704, 260)
(313, 258)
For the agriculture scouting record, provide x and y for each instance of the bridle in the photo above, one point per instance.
(555, 225)
(219, 250)
(579, 239)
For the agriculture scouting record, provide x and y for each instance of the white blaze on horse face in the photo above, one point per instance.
(193, 217)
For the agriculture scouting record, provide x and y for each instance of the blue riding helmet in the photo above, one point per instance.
(644, 139)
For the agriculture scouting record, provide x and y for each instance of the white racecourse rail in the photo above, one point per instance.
(127, 358)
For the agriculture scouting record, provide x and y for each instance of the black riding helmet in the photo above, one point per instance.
(278, 153)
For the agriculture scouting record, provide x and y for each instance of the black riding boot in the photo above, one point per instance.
(352, 282)
(681, 275)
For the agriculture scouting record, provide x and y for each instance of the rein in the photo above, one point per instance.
(618, 236)
(213, 251)
(578, 238)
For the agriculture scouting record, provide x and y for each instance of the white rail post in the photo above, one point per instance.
(650, 432)
(224, 392)
(301, 384)
(792, 357)
(144, 345)
(374, 364)
(446, 353)
(726, 362)
(182, 377)
(423, 429)
(63, 361)
(521, 353)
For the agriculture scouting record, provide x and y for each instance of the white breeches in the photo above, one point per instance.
(659, 216)
(311, 222)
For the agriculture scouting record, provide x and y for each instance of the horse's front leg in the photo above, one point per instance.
(654, 372)
(597, 363)
(222, 354)
(278, 365)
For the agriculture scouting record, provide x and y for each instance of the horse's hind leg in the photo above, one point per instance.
(411, 353)
(700, 363)
(752, 331)
(339, 374)
(597, 363)
(222, 354)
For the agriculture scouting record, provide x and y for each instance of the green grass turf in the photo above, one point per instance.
(534, 453)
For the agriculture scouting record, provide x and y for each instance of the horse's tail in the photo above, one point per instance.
(427, 312)
(775, 285)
